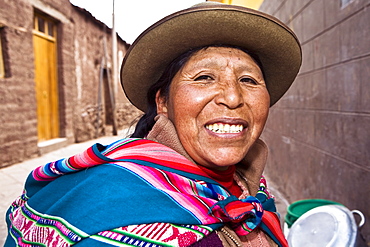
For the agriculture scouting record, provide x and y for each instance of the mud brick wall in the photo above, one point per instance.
(17, 101)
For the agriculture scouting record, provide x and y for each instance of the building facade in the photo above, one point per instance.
(56, 78)
(318, 133)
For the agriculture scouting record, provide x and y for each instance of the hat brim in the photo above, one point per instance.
(275, 45)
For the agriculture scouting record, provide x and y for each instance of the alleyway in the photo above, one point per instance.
(12, 178)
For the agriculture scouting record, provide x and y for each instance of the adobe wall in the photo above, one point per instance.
(18, 129)
(318, 134)
(80, 51)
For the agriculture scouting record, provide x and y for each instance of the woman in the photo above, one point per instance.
(191, 175)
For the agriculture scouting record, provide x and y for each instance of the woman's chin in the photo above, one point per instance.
(222, 163)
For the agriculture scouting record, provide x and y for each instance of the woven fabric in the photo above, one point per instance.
(117, 194)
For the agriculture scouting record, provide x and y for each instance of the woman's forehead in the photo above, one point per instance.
(220, 57)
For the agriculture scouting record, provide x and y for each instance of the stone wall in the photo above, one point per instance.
(83, 77)
(318, 134)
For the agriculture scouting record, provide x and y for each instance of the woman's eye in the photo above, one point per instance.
(203, 78)
(249, 80)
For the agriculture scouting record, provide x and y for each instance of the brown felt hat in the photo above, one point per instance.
(275, 45)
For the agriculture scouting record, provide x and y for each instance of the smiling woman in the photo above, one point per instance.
(191, 173)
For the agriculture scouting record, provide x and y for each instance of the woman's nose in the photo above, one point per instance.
(230, 95)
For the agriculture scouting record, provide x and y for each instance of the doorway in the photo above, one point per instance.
(45, 51)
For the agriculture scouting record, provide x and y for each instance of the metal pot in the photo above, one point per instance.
(329, 226)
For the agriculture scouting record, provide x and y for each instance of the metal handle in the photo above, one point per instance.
(362, 216)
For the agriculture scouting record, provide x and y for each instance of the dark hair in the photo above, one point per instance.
(146, 121)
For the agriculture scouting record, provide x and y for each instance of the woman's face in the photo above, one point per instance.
(219, 104)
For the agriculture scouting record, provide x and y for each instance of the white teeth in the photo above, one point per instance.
(225, 128)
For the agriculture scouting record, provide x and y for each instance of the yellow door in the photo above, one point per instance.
(44, 42)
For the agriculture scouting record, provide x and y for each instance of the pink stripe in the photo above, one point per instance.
(84, 160)
(154, 152)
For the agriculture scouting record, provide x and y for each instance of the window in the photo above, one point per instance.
(50, 29)
(44, 26)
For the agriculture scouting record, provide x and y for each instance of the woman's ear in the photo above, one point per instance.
(161, 104)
